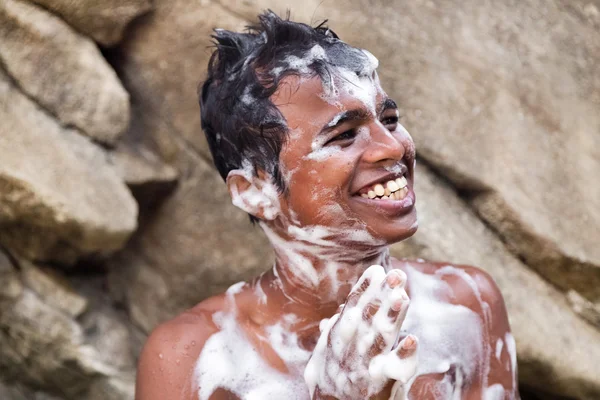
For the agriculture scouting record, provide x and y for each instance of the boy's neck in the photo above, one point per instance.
(315, 270)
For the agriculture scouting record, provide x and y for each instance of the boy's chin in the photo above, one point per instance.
(397, 232)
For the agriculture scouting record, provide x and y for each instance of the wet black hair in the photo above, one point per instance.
(239, 120)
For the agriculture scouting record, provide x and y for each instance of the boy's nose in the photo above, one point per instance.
(382, 145)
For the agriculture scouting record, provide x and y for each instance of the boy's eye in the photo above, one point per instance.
(390, 122)
(347, 135)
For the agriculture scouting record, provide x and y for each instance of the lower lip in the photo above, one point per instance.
(394, 207)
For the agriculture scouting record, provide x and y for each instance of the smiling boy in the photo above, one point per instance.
(311, 148)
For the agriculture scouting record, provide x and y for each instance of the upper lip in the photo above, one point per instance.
(388, 176)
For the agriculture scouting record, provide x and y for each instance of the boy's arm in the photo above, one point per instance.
(502, 357)
(166, 364)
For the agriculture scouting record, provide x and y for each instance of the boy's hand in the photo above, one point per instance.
(355, 356)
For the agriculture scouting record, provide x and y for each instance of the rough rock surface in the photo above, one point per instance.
(105, 21)
(503, 100)
(549, 335)
(59, 198)
(62, 70)
(47, 348)
(178, 257)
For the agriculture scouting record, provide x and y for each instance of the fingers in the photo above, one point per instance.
(361, 286)
(404, 365)
(407, 347)
(387, 316)
(397, 299)
(399, 365)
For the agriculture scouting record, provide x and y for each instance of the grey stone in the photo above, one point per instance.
(62, 70)
(59, 197)
(105, 21)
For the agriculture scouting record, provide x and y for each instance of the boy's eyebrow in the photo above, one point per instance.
(358, 114)
(386, 105)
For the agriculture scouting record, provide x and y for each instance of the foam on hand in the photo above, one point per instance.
(347, 338)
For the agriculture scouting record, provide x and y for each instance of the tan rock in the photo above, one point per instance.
(59, 198)
(52, 288)
(41, 346)
(178, 257)
(45, 348)
(113, 388)
(549, 335)
(196, 246)
(503, 100)
(20, 392)
(62, 70)
(165, 75)
(105, 21)
(584, 308)
(11, 284)
(147, 175)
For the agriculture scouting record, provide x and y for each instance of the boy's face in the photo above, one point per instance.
(340, 146)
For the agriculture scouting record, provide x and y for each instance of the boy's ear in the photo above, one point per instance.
(253, 195)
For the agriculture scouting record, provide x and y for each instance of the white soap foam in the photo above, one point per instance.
(229, 361)
(494, 392)
(450, 336)
(301, 65)
(261, 196)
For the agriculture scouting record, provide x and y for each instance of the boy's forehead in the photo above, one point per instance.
(305, 101)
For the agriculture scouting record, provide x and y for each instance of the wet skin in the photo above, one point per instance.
(369, 147)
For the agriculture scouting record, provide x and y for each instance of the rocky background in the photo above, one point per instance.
(112, 218)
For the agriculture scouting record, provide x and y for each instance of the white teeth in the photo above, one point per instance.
(400, 194)
(393, 189)
(401, 182)
(392, 186)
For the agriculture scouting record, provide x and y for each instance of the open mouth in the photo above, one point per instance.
(388, 189)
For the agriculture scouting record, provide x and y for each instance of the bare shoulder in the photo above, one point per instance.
(166, 364)
(474, 288)
(471, 285)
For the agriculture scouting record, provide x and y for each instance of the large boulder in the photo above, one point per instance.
(59, 197)
(503, 100)
(195, 246)
(62, 70)
(105, 21)
(549, 335)
(196, 243)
